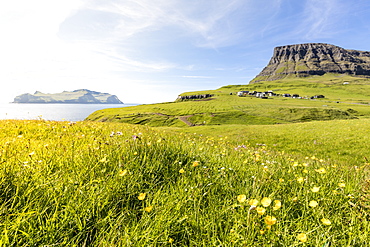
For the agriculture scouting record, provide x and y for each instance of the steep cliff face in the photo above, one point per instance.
(314, 59)
(81, 96)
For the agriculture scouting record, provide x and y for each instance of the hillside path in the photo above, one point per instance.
(185, 120)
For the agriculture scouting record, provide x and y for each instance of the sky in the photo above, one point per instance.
(150, 51)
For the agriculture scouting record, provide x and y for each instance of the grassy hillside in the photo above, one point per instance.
(112, 184)
(345, 98)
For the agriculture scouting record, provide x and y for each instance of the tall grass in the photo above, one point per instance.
(106, 184)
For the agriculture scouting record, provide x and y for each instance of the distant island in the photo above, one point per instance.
(80, 96)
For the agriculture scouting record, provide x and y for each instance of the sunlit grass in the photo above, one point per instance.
(342, 101)
(108, 184)
(341, 141)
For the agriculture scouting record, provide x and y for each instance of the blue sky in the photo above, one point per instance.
(149, 51)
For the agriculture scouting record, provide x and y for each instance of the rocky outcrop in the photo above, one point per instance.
(314, 59)
(81, 96)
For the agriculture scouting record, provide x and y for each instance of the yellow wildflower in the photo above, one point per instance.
(262, 232)
(148, 209)
(320, 170)
(313, 204)
(260, 210)
(241, 198)
(266, 202)
(325, 221)
(171, 240)
(253, 202)
(181, 171)
(103, 160)
(141, 196)
(315, 189)
(300, 180)
(122, 173)
(270, 220)
(195, 163)
(342, 185)
(277, 205)
(295, 199)
(302, 237)
(281, 180)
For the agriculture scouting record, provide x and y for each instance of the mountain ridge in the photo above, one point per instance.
(79, 96)
(302, 60)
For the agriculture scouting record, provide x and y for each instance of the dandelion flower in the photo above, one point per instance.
(313, 204)
(342, 185)
(241, 198)
(266, 202)
(148, 209)
(302, 237)
(270, 220)
(260, 210)
(325, 221)
(300, 180)
(181, 171)
(122, 173)
(315, 189)
(195, 163)
(141, 196)
(277, 205)
(321, 170)
(253, 202)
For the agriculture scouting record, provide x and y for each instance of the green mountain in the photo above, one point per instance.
(81, 96)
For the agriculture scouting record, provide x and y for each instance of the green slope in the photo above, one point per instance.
(346, 97)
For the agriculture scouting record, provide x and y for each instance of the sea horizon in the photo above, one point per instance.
(52, 111)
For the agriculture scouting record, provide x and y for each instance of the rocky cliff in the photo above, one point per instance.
(314, 59)
(81, 96)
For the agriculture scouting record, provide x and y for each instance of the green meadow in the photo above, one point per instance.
(342, 101)
(225, 171)
(113, 184)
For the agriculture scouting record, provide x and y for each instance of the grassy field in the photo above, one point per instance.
(113, 184)
(249, 172)
(342, 101)
(340, 141)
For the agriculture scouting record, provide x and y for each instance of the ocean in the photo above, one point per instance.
(57, 112)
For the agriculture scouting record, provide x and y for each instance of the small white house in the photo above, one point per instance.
(242, 93)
